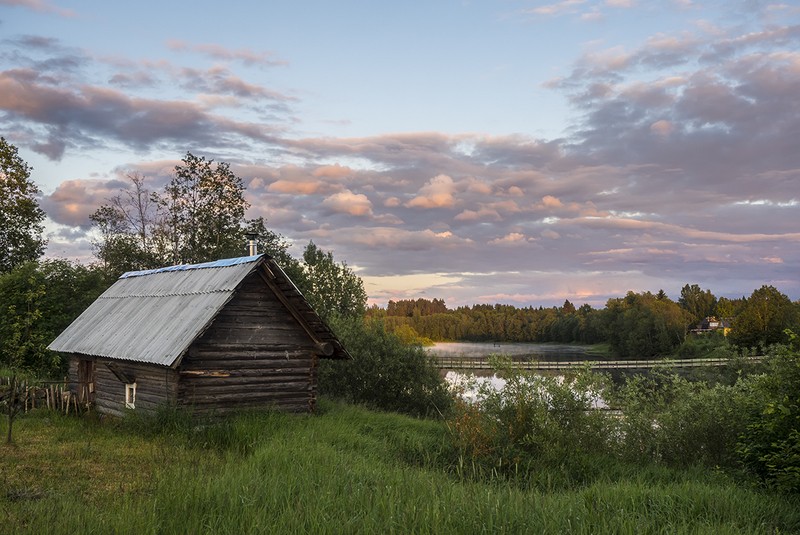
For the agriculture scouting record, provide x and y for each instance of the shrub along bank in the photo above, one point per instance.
(749, 426)
(345, 470)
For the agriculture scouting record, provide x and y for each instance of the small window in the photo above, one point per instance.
(130, 396)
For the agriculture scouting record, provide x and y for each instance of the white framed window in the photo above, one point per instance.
(130, 396)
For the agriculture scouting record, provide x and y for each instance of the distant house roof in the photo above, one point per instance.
(153, 316)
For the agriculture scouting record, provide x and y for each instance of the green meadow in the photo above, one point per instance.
(345, 469)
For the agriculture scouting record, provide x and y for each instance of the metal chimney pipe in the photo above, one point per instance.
(251, 243)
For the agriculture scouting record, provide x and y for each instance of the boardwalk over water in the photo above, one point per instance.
(458, 362)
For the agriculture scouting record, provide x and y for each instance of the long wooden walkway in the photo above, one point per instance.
(483, 363)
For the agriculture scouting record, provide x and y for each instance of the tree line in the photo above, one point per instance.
(639, 325)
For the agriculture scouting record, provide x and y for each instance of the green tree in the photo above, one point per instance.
(37, 301)
(771, 445)
(384, 373)
(20, 216)
(23, 345)
(698, 303)
(728, 308)
(204, 208)
(128, 230)
(333, 289)
(763, 319)
(642, 326)
(198, 217)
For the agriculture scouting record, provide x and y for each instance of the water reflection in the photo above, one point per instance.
(517, 351)
(470, 385)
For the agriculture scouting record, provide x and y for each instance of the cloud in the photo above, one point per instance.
(548, 201)
(347, 202)
(90, 116)
(680, 165)
(437, 193)
(557, 8)
(73, 201)
(512, 239)
(219, 52)
(296, 188)
(384, 238)
(40, 6)
(550, 234)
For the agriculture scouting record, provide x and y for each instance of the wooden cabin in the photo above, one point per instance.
(212, 337)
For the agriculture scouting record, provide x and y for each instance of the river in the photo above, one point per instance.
(518, 351)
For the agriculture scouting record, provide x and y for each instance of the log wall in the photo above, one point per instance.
(255, 354)
(155, 385)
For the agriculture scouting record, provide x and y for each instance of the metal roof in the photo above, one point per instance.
(153, 316)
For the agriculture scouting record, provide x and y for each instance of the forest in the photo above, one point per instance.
(638, 325)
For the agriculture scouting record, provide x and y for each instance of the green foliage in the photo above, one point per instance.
(751, 422)
(11, 396)
(199, 216)
(22, 344)
(332, 289)
(415, 307)
(204, 206)
(433, 320)
(38, 300)
(697, 303)
(763, 319)
(712, 344)
(275, 245)
(642, 326)
(534, 421)
(770, 446)
(347, 470)
(384, 373)
(20, 216)
(669, 419)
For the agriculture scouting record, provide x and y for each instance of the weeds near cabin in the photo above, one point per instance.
(345, 470)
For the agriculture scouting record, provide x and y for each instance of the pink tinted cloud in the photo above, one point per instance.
(296, 187)
(73, 201)
(40, 6)
(333, 171)
(436, 193)
(347, 202)
(511, 239)
(384, 238)
(215, 51)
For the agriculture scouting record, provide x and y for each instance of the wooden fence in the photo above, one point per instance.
(45, 395)
(458, 362)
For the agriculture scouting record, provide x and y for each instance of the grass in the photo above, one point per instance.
(345, 470)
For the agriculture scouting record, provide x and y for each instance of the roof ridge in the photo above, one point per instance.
(226, 262)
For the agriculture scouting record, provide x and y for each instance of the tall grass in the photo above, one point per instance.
(346, 470)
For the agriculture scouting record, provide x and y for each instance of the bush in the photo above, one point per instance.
(384, 373)
(702, 346)
(534, 421)
(678, 422)
(770, 446)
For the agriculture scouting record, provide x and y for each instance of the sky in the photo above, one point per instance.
(505, 151)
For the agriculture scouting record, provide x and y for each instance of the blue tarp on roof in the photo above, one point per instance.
(227, 262)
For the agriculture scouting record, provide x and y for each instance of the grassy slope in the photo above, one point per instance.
(347, 470)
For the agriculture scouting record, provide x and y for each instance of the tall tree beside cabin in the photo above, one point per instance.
(20, 216)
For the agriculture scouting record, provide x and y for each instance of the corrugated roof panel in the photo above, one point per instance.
(153, 317)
